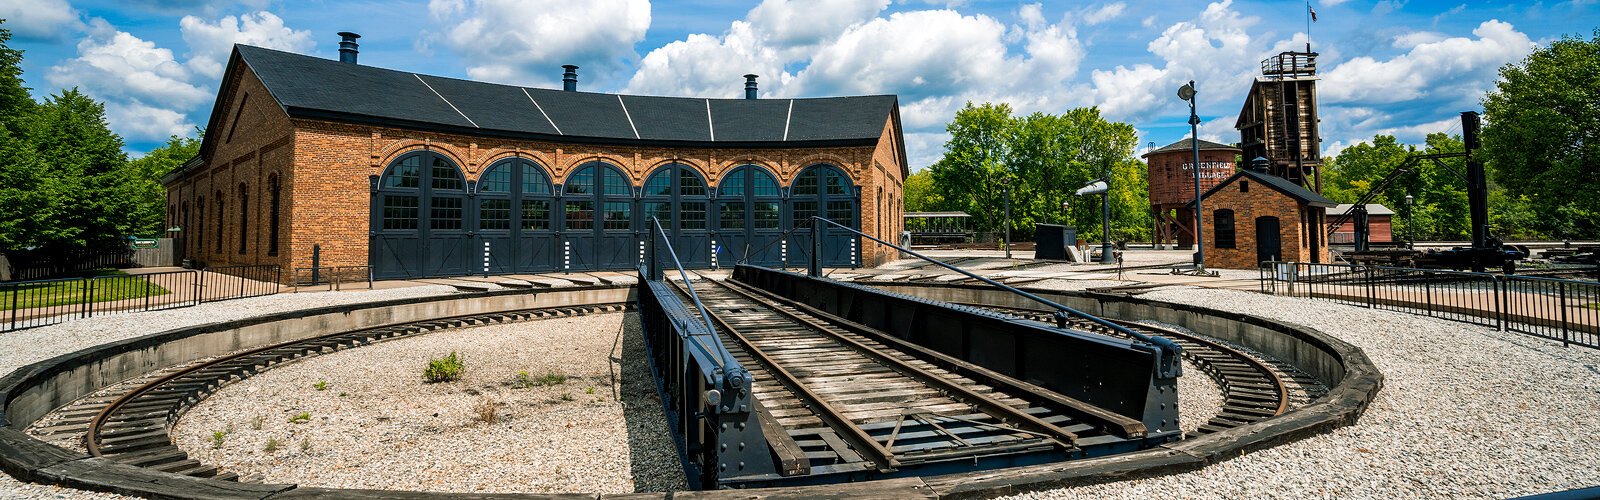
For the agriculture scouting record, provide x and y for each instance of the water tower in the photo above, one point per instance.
(1171, 174)
(1279, 119)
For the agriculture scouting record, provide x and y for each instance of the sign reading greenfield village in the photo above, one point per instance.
(1211, 169)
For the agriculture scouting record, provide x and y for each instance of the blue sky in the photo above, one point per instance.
(1390, 66)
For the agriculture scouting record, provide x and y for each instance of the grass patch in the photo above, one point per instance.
(255, 423)
(300, 418)
(72, 291)
(483, 410)
(272, 445)
(1592, 305)
(321, 385)
(524, 380)
(445, 369)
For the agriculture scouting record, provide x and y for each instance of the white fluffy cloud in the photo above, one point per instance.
(1215, 49)
(807, 22)
(709, 66)
(150, 94)
(211, 43)
(1104, 13)
(40, 19)
(1434, 65)
(526, 41)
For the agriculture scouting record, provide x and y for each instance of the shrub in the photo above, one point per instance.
(484, 409)
(445, 369)
(216, 438)
(300, 418)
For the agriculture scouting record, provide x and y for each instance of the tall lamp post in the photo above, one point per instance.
(1005, 185)
(1411, 232)
(1187, 93)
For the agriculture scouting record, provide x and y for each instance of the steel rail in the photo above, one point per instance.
(859, 439)
(1164, 345)
(1272, 375)
(1119, 424)
(92, 435)
(1066, 439)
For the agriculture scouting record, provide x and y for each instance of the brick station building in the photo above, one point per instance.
(1253, 216)
(419, 175)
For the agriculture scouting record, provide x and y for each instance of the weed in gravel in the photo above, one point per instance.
(343, 394)
(216, 438)
(552, 378)
(305, 445)
(300, 418)
(566, 396)
(484, 410)
(272, 445)
(255, 423)
(321, 385)
(445, 369)
(589, 390)
(523, 380)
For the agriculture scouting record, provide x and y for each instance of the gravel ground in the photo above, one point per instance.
(1465, 412)
(21, 348)
(376, 424)
(1199, 398)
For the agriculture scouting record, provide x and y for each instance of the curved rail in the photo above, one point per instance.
(1244, 400)
(212, 374)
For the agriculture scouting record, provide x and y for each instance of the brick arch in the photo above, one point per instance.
(543, 160)
(698, 166)
(622, 163)
(807, 161)
(844, 168)
(573, 168)
(770, 164)
(399, 148)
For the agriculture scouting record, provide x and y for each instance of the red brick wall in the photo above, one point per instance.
(251, 145)
(1260, 201)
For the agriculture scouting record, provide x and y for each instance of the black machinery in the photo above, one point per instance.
(1486, 251)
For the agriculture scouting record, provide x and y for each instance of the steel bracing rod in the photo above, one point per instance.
(859, 439)
(1411, 164)
(993, 406)
(781, 236)
(723, 356)
(1167, 346)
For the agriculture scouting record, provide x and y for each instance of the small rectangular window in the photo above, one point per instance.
(1244, 186)
(732, 215)
(535, 214)
(446, 213)
(1224, 230)
(803, 211)
(494, 214)
(692, 215)
(766, 215)
(619, 216)
(580, 214)
(660, 210)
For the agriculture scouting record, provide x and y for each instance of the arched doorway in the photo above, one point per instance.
(597, 218)
(514, 218)
(750, 217)
(826, 191)
(420, 219)
(676, 195)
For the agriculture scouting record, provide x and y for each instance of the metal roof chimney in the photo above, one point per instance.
(750, 86)
(347, 47)
(1260, 164)
(569, 79)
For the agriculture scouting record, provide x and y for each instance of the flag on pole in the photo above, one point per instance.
(1313, 12)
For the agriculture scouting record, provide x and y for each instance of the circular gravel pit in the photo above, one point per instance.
(585, 417)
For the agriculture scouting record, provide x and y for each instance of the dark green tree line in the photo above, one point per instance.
(1042, 159)
(65, 182)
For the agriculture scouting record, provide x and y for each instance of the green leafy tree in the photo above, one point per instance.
(15, 102)
(920, 193)
(1542, 136)
(140, 194)
(1046, 158)
(81, 159)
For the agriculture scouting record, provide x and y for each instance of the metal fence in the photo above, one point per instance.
(29, 304)
(1558, 309)
(336, 277)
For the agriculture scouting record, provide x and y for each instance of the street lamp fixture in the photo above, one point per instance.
(1187, 93)
(1100, 187)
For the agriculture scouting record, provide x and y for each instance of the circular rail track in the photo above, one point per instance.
(134, 428)
(1253, 389)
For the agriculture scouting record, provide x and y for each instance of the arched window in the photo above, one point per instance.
(750, 216)
(222, 217)
(244, 217)
(1223, 230)
(598, 225)
(273, 193)
(822, 190)
(676, 194)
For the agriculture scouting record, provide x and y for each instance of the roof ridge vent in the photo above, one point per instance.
(348, 46)
(569, 78)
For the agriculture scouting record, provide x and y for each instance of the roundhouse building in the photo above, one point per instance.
(420, 176)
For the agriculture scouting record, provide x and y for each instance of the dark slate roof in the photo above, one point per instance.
(1279, 184)
(313, 87)
(1186, 145)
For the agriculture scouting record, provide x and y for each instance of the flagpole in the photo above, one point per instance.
(1308, 26)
